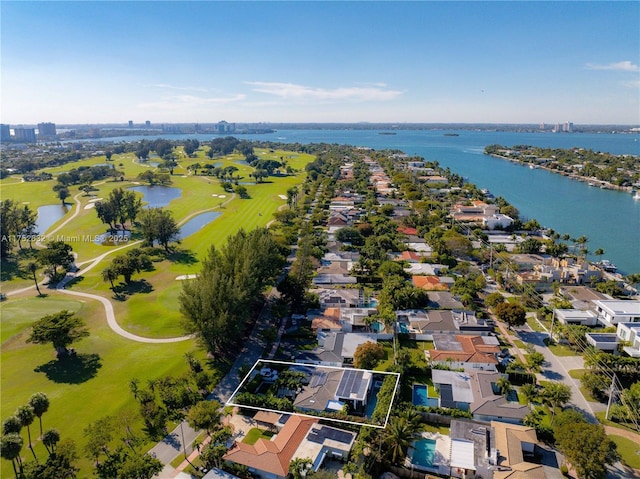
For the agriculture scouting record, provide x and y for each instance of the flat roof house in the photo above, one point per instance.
(576, 316)
(613, 311)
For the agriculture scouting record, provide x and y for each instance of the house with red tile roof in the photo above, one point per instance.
(467, 352)
(407, 230)
(429, 283)
(271, 459)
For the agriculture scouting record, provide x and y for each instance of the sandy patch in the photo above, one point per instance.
(186, 276)
(26, 202)
(94, 200)
(221, 196)
(89, 206)
(214, 195)
(283, 197)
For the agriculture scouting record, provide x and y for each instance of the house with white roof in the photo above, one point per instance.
(576, 316)
(630, 333)
(611, 312)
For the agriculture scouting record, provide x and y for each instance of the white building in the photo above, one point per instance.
(576, 316)
(613, 311)
(630, 333)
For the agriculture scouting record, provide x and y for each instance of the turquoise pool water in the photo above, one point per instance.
(424, 451)
(420, 395)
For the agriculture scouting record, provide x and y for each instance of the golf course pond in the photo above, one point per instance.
(157, 196)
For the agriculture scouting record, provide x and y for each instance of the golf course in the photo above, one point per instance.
(95, 382)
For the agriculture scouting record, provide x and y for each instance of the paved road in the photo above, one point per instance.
(172, 445)
(557, 369)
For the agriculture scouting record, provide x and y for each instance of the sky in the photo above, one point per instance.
(329, 61)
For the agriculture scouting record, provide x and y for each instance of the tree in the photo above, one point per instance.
(11, 424)
(535, 360)
(504, 385)
(10, 447)
(50, 438)
(367, 355)
(400, 432)
(299, 466)
(158, 225)
(530, 246)
(556, 395)
(494, 299)
(62, 329)
(587, 448)
(40, 404)
(204, 415)
(32, 267)
(109, 274)
(59, 464)
(63, 193)
(511, 313)
(242, 192)
(26, 416)
(56, 254)
(529, 392)
(350, 235)
(99, 435)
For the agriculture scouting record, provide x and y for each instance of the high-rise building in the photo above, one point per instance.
(5, 132)
(130, 123)
(46, 130)
(147, 124)
(24, 135)
(567, 127)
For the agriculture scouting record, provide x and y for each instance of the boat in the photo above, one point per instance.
(637, 195)
(451, 134)
(386, 133)
(608, 266)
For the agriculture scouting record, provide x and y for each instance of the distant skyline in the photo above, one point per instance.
(404, 62)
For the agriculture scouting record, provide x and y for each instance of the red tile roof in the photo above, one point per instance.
(473, 351)
(429, 283)
(273, 456)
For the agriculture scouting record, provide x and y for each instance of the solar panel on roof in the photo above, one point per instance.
(318, 379)
(320, 435)
(349, 384)
(446, 396)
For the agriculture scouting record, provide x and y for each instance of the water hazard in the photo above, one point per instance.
(157, 196)
(48, 215)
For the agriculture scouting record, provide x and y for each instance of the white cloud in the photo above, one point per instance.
(631, 84)
(180, 88)
(625, 66)
(171, 102)
(301, 92)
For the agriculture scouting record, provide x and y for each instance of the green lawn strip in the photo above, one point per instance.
(629, 451)
(75, 402)
(533, 324)
(254, 434)
(562, 350)
(444, 430)
(577, 374)
(603, 420)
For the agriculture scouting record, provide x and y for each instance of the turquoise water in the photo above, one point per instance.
(609, 219)
(424, 452)
(420, 395)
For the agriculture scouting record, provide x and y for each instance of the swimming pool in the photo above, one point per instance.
(421, 396)
(424, 451)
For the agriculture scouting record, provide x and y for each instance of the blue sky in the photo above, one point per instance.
(512, 62)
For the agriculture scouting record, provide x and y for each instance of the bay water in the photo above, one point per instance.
(609, 219)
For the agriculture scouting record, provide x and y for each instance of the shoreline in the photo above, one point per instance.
(605, 185)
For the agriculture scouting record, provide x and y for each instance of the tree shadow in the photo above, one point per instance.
(75, 369)
(182, 256)
(123, 290)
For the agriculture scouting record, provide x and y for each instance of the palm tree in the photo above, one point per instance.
(10, 447)
(50, 438)
(40, 404)
(109, 274)
(529, 392)
(556, 395)
(504, 386)
(134, 387)
(401, 431)
(11, 424)
(299, 467)
(26, 416)
(32, 267)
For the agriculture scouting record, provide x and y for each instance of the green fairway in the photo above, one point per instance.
(95, 384)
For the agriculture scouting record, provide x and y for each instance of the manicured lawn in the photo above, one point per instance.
(96, 383)
(81, 391)
(254, 434)
(629, 451)
(535, 325)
